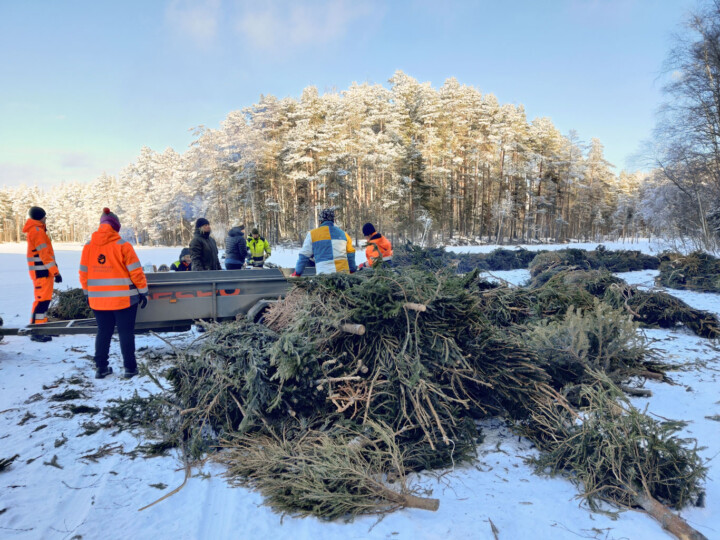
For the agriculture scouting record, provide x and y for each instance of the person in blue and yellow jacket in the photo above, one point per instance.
(112, 278)
(41, 265)
(331, 247)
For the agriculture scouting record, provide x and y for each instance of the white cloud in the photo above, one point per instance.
(194, 19)
(277, 26)
(15, 174)
(76, 160)
(56, 167)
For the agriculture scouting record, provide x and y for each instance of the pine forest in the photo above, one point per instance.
(430, 165)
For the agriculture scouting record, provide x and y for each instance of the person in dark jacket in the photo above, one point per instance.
(203, 248)
(184, 263)
(236, 248)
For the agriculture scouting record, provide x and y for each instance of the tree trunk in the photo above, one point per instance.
(671, 522)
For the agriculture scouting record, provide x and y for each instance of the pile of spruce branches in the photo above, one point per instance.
(69, 304)
(520, 258)
(354, 381)
(598, 259)
(697, 272)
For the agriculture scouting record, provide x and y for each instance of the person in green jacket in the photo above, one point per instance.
(258, 249)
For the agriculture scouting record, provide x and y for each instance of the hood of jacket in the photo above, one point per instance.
(236, 231)
(30, 223)
(104, 235)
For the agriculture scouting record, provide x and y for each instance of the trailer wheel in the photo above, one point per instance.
(260, 317)
(257, 313)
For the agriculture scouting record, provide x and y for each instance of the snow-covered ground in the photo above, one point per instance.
(56, 488)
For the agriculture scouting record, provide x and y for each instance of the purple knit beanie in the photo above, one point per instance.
(110, 218)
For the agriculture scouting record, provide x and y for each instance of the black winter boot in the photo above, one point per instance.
(40, 338)
(101, 373)
(130, 373)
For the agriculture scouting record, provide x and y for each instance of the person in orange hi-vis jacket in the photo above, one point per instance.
(42, 266)
(378, 247)
(112, 278)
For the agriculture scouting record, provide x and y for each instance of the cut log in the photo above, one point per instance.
(357, 329)
(412, 501)
(415, 307)
(670, 521)
(640, 392)
(651, 375)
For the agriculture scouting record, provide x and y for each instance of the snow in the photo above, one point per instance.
(100, 499)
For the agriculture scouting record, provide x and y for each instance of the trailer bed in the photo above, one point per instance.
(177, 299)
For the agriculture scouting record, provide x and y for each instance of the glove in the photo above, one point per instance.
(143, 300)
(58, 278)
(294, 274)
(361, 266)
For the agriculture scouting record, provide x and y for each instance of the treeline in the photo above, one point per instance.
(425, 164)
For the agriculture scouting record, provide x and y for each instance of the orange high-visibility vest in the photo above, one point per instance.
(40, 254)
(378, 248)
(110, 271)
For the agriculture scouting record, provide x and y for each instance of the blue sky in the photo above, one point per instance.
(85, 84)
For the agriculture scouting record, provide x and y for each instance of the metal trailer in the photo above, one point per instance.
(177, 299)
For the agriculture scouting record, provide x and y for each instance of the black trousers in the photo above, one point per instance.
(233, 266)
(106, 322)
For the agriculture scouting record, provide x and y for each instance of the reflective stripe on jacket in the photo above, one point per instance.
(258, 247)
(332, 248)
(378, 248)
(110, 271)
(40, 254)
(180, 266)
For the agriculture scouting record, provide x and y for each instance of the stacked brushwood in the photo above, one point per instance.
(697, 272)
(520, 258)
(355, 381)
(619, 455)
(69, 304)
(561, 286)
(499, 259)
(600, 258)
(432, 259)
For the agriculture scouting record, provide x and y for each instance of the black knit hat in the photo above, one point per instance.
(200, 222)
(368, 229)
(36, 213)
(327, 214)
(255, 231)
